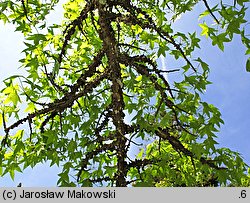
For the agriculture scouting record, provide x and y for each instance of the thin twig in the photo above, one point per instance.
(210, 11)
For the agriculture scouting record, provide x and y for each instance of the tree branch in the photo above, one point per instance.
(211, 12)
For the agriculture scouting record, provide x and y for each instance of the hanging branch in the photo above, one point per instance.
(132, 19)
(25, 10)
(211, 12)
(178, 146)
(51, 116)
(92, 154)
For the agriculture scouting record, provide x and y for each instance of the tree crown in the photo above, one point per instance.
(94, 92)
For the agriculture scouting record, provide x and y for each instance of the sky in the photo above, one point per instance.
(229, 91)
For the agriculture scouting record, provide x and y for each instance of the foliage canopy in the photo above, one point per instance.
(94, 92)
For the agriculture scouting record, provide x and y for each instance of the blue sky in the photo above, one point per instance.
(231, 83)
(229, 92)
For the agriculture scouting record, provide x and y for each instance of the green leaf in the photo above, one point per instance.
(36, 38)
(248, 65)
(143, 184)
(30, 108)
(219, 40)
(4, 18)
(140, 154)
(205, 29)
(72, 146)
(12, 174)
(12, 94)
(241, 2)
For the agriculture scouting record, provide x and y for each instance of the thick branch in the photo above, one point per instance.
(61, 104)
(107, 35)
